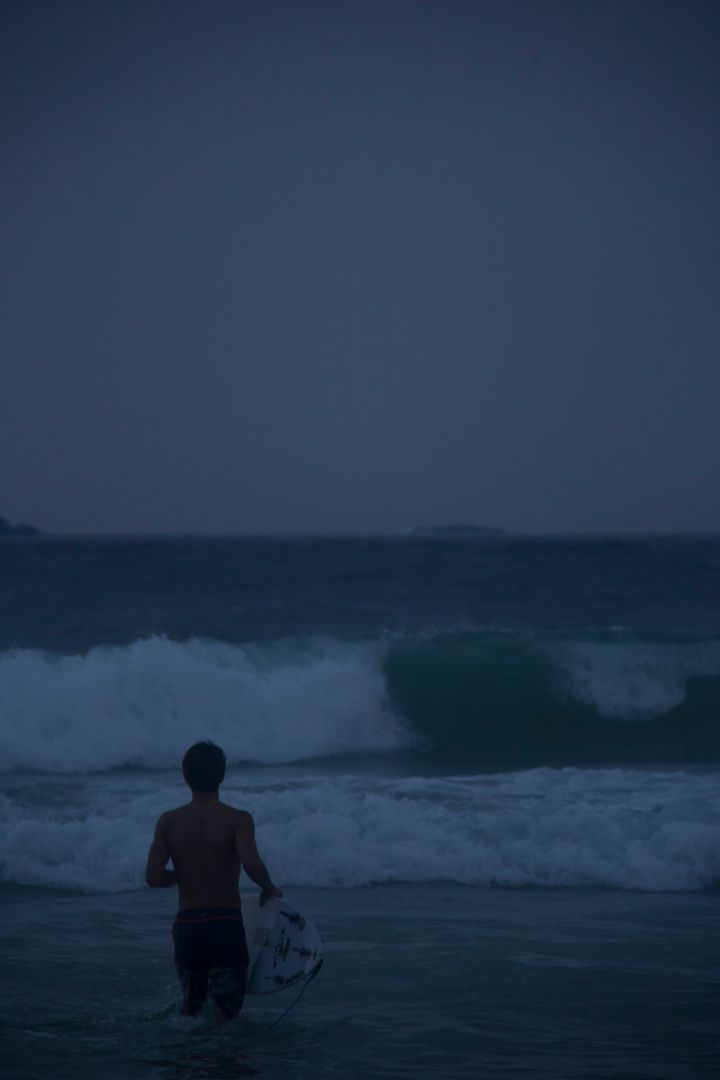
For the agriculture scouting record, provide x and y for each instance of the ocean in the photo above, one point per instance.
(488, 770)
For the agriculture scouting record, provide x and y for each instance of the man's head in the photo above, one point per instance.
(204, 767)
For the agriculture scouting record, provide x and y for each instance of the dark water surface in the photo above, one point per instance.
(429, 981)
(70, 594)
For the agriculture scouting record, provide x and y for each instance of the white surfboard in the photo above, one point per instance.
(283, 945)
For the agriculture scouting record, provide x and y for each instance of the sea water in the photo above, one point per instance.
(488, 770)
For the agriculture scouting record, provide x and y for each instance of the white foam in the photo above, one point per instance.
(632, 679)
(144, 703)
(569, 828)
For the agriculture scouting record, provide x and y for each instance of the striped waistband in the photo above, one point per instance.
(202, 915)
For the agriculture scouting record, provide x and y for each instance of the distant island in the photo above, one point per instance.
(7, 530)
(458, 532)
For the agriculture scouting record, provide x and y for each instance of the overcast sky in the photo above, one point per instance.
(298, 265)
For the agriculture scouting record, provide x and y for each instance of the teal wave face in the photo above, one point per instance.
(516, 700)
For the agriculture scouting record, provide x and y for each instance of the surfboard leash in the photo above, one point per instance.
(306, 982)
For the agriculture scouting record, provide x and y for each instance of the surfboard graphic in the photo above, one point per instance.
(283, 945)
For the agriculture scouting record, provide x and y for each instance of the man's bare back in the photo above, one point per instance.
(207, 842)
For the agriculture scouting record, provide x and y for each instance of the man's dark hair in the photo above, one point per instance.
(204, 766)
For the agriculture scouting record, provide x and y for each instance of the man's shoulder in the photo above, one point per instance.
(237, 813)
(239, 819)
(168, 816)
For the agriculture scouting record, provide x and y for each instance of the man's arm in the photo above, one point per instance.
(155, 873)
(254, 866)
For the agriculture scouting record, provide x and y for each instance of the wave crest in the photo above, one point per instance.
(143, 704)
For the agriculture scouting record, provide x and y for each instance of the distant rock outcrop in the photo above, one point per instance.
(7, 530)
(458, 532)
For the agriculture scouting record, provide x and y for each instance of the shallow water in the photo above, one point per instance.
(419, 981)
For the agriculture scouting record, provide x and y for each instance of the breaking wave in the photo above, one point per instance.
(143, 704)
(481, 698)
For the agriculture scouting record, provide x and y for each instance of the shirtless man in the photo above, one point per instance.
(207, 842)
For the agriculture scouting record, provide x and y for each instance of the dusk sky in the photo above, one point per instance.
(290, 265)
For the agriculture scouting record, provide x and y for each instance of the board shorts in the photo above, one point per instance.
(211, 955)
